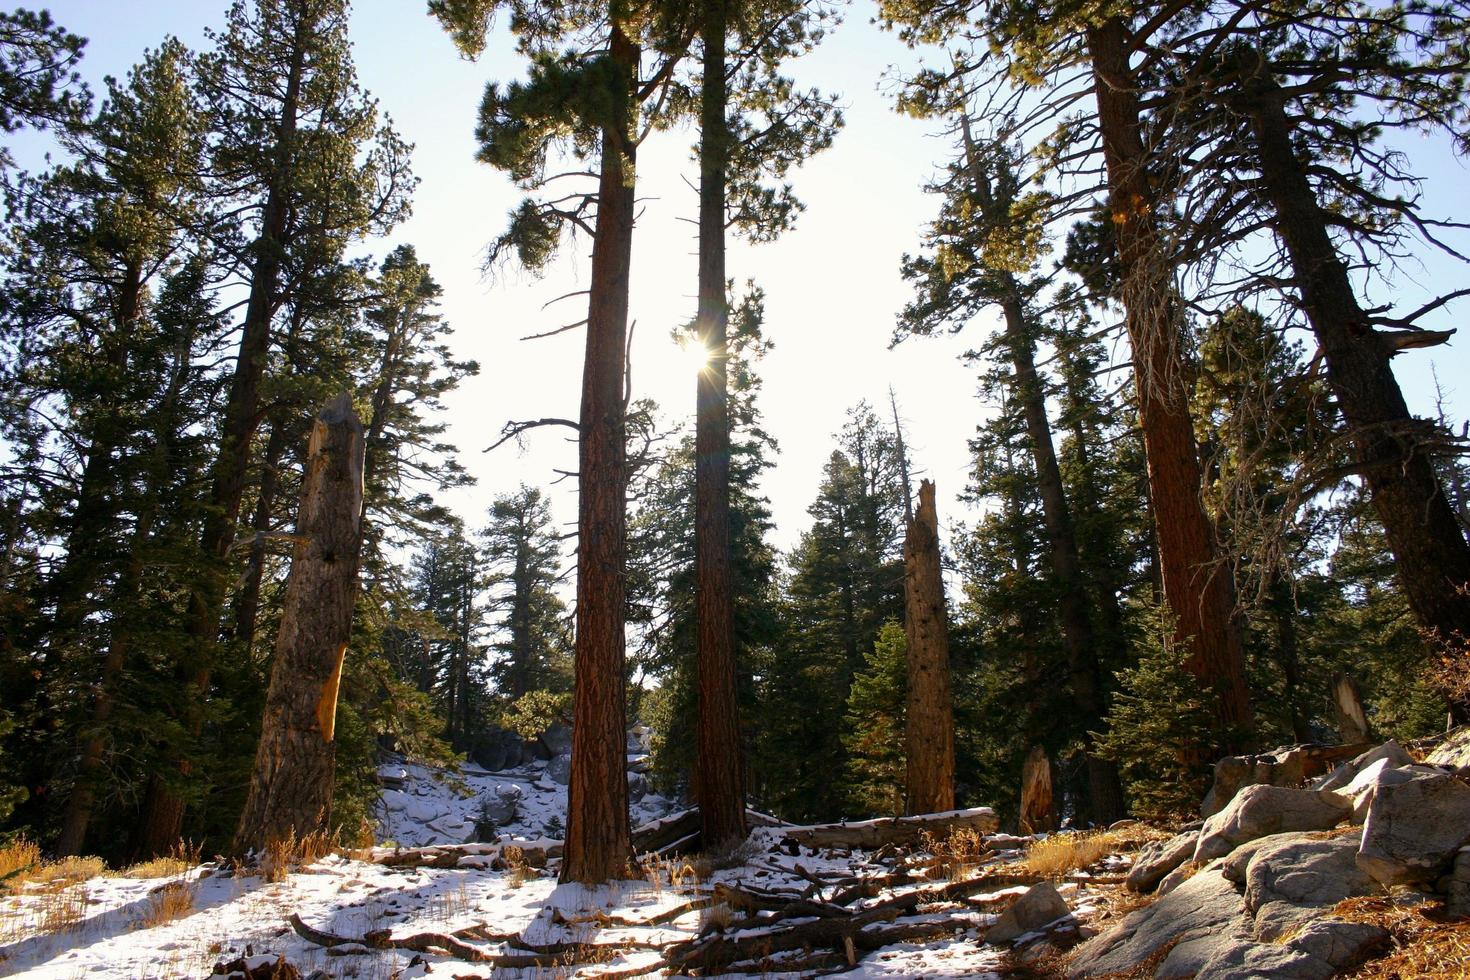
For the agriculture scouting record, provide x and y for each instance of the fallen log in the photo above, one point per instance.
(870, 834)
(679, 833)
(534, 853)
(424, 942)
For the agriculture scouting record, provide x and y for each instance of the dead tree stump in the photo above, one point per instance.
(1038, 805)
(929, 721)
(295, 764)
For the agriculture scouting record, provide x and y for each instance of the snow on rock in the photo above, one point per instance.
(434, 806)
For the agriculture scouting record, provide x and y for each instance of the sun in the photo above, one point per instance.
(694, 354)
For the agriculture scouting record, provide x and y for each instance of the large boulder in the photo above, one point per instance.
(1199, 918)
(1367, 783)
(1323, 949)
(500, 749)
(1288, 765)
(1454, 751)
(1260, 811)
(1041, 905)
(1344, 774)
(1291, 878)
(559, 769)
(1414, 830)
(1456, 885)
(555, 741)
(1158, 859)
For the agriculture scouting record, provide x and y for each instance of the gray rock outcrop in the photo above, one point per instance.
(1259, 811)
(1414, 830)
(1156, 860)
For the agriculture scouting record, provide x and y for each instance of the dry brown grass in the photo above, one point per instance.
(956, 854)
(1061, 854)
(283, 855)
(169, 902)
(1425, 945)
(515, 862)
(181, 858)
(18, 858)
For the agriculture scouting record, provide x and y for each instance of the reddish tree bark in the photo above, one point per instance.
(597, 843)
(719, 771)
(1198, 587)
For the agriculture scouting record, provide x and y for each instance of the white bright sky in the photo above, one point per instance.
(832, 284)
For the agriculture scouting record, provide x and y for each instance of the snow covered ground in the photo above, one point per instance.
(422, 805)
(186, 924)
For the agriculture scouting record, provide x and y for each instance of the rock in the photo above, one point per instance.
(1368, 782)
(1292, 877)
(1414, 829)
(498, 750)
(1198, 915)
(1120, 824)
(1288, 765)
(510, 792)
(1457, 887)
(1324, 948)
(1041, 904)
(559, 769)
(637, 786)
(1177, 877)
(263, 967)
(1155, 861)
(557, 740)
(1259, 811)
(1348, 771)
(1454, 751)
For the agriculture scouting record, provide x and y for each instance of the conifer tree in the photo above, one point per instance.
(760, 137)
(589, 97)
(524, 560)
(297, 144)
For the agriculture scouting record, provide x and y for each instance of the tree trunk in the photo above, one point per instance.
(1352, 722)
(1197, 585)
(163, 809)
(1038, 804)
(295, 765)
(719, 772)
(1431, 555)
(929, 718)
(597, 845)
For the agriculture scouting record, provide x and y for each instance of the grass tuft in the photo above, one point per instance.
(169, 902)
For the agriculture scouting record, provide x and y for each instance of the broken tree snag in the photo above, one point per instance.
(929, 722)
(1352, 721)
(893, 830)
(295, 765)
(1038, 806)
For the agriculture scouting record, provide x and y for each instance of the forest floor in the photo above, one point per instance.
(485, 910)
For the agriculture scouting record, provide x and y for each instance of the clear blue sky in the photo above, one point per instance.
(833, 284)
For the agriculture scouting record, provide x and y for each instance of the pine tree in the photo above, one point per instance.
(790, 128)
(306, 158)
(874, 724)
(524, 559)
(580, 99)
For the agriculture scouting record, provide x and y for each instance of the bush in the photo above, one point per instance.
(1161, 730)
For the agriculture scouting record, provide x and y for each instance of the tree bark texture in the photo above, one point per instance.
(1038, 804)
(163, 809)
(1431, 555)
(1347, 703)
(719, 770)
(929, 718)
(597, 843)
(291, 785)
(1197, 585)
